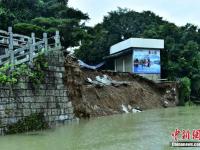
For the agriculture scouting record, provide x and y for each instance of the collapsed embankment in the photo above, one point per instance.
(92, 100)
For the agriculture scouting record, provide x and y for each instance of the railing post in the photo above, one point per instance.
(31, 50)
(57, 40)
(33, 38)
(45, 42)
(10, 48)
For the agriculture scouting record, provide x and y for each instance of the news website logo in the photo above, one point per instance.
(185, 138)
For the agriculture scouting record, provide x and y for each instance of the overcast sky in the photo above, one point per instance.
(179, 12)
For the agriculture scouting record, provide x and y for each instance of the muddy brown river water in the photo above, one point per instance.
(148, 130)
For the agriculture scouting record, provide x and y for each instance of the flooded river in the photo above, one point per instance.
(149, 130)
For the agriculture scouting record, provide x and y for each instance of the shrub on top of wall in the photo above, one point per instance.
(35, 73)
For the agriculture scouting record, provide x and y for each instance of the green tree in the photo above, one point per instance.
(44, 16)
(117, 26)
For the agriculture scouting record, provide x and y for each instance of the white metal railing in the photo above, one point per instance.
(21, 49)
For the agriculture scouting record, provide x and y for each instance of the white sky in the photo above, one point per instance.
(179, 12)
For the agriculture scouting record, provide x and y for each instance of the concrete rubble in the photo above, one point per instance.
(105, 80)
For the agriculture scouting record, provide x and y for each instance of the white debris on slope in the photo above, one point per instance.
(63, 117)
(130, 109)
(125, 109)
(135, 110)
(105, 80)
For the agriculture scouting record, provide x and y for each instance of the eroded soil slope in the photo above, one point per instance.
(91, 100)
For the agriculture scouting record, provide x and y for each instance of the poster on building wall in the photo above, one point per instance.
(146, 61)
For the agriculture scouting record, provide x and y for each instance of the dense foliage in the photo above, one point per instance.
(185, 91)
(37, 16)
(117, 26)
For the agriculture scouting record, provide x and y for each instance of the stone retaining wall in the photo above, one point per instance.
(50, 98)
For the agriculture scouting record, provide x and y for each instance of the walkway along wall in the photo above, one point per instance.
(50, 99)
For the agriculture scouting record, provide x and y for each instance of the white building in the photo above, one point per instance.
(139, 56)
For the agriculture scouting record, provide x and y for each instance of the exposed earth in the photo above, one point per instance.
(93, 100)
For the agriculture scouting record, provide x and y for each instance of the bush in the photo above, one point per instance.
(195, 85)
(35, 73)
(33, 122)
(6, 75)
(184, 90)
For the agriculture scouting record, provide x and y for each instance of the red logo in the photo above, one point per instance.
(185, 135)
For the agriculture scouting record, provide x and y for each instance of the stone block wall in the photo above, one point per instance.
(50, 98)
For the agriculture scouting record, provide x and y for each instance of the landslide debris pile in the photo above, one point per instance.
(100, 93)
